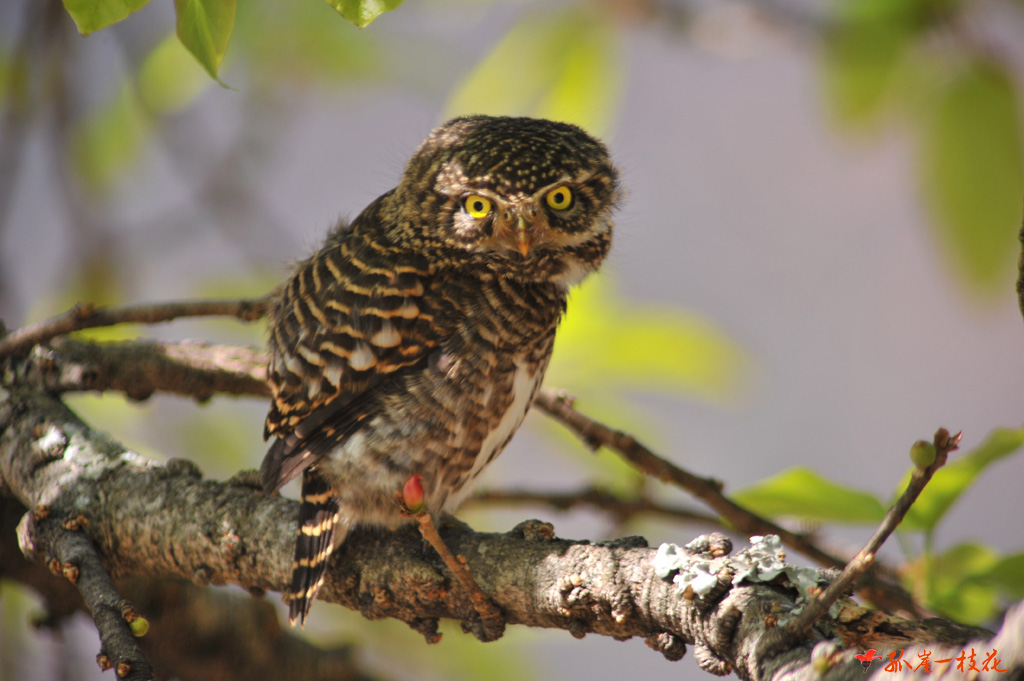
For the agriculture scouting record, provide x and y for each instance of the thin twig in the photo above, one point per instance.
(861, 563)
(595, 434)
(86, 316)
(602, 500)
(69, 552)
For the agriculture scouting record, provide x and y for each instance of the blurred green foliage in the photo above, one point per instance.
(967, 582)
(880, 60)
(802, 493)
(309, 45)
(973, 174)
(169, 79)
(608, 345)
(910, 58)
(609, 349)
(563, 65)
(109, 141)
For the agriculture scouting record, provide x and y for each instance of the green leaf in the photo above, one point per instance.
(169, 78)
(955, 588)
(108, 142)
(362, 12)
(972, 169)
(564, 67)
(204, 28)
(952, 480)
(92, 15)
(803, 493)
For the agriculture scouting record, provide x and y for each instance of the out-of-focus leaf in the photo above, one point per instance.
(953, 586)
(362, 12)
(169, 78)
(803, 493)
(952, 480)
(92, 15)
(609, 344)
(309, 42)
(563, 66)
(972, 170)
(1007, 574)
(108, 142)
(607, 347)
(860, 63)
(204, 28)
(6, 76)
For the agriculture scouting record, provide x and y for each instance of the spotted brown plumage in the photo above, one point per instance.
(414, 340)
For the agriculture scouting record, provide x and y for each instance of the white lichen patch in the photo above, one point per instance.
(763, 561)
(684, 569)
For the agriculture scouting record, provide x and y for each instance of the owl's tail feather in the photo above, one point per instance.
(321, 529)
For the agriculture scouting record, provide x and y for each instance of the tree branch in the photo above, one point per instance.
(87, 316)
(139, 368)
(68, 552)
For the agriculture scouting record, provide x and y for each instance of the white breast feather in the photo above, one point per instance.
(523, 385)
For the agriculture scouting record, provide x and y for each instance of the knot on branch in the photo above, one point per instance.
(668, 644)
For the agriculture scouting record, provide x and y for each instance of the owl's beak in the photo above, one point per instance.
(522, 236)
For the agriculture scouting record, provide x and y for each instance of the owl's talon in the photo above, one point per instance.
(485, 629)
(489, 623)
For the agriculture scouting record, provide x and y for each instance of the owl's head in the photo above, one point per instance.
(524, 197)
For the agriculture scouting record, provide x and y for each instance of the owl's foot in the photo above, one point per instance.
(489, 623)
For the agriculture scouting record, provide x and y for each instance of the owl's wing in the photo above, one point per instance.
(352, 317)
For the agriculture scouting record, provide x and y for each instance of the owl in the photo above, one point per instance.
(414, 341)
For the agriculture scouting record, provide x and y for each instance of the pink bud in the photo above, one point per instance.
(412, 493)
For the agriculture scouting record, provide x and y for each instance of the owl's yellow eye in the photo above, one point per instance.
(560, 198)
(477, 206)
